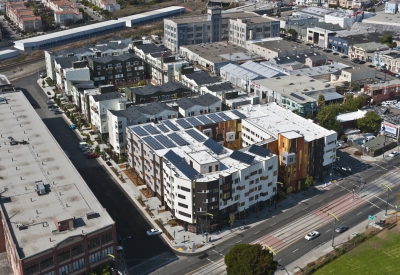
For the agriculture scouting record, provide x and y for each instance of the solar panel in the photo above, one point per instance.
(151, 129)
(187, 170)
(297, 96)
(215, 117)
(215, 147)
(193, 121)
(183, 123)
(196, 135)
(239, 114)
(178, 139)
(205, 120)
(170, 125)
(172, 157)
(140, 131)
(224, 116)
(154, 144)
(165, 141)
(260, 151)
(242, 157)
(163, 128)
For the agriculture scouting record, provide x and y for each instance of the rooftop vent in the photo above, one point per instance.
(91, 215)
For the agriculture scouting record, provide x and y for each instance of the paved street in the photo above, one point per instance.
(129, 220)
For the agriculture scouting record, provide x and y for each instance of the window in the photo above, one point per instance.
(95, 257)
(259, 188)
(259, 171)
(79, 264)
(31, 269)
(216, 167)
(181, 196)
(65, 269)
(106, 251)
(209, 169)
(182, 205)
(106, 238)
(46, 263)
(93, 243)
(269, 183)
(78, 249)
(64, 256)
(270, 168)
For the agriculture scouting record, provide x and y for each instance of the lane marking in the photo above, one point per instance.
(238, 241)
(295, 250)
(257, 232)
(359, 213)
(327, 230)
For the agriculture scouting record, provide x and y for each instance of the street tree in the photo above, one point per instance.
(231, 220)
(327, 117)
(369, 123)
(321, 100)
(309, 181)
(283, 30)
(250, 259)
(352, 104)
(292, 32)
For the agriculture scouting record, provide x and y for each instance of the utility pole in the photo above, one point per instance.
(334, 225)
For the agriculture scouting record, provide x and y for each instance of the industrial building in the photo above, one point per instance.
(7, 54)
(51, 222)
(152, 16)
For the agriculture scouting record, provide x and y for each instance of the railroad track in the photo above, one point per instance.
(20, 64)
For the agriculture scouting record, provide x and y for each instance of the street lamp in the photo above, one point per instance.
(123, 251)
(270, 249)
(276, 192)
(334, 225)
(387, 197)
(207, 214)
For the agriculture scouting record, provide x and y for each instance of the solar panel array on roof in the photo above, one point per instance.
(297, 96)
(183, 123)
(193, 121)
(154, 144)
(172, 157)
(163, 128)
(196, 135)
(260, 151)
(165, 141)
(215, 118)
(151, 129)
(224, 116)
(187, 170)
(215, 147)
(140, 131)
(178, 139)
(242, 157)
(170, 125)
(239, 114)
(205, 120)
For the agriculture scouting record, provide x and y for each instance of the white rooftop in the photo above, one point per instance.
(351, 116)
(384, 18)
(276, 119)
(292, 83)
(304, 70)
(41, 159)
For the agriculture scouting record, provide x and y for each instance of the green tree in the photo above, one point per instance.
(309, 181)
(250, 259)
(369, 123)
(327, 117)
(231, 220)
(388, 40)
(321, 100)
(352, 104)
(292, 32)
(283, 30)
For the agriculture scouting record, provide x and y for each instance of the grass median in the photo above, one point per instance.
(378, 255)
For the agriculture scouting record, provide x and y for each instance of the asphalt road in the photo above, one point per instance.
(369, 173)
(129, 220)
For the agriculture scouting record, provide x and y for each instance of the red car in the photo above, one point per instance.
(92, 156)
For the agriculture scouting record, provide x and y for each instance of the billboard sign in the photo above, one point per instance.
(389, 128)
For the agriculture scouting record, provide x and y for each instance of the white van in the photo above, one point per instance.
(369, 138)
(83, 145)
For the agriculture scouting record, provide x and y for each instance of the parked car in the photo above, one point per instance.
(85, 152)
(335, 53)
(344, 56)
(42, 75)
(394, 154)
(57, 112)
(312, 235)
(154, 232)
(341, 229)
(92, 156)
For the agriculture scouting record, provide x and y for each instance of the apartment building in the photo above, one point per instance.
(199, 175)
(119, 70)
(391, 7)
(195, 106)
(383, 91)
(68, 69)
(347, 4)
(278, 48)
(108, 5)
(100, 104)
(24, 19)
(165, 68)
(357, 74)
(78, 89)
(237, 27)
(134, 115)
(304, 148)
(195, 80)
(60, 228)
(365, 51)
(147, 94)
(390, 60)
(65, 12)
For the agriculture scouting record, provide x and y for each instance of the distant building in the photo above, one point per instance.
(65, 12)
(348, 120)
(195, 80)
(166, 92)
(22, 17)
(366, 51)
(108, 5)
(392, 6)
(279, 48)
(383, 91)
(195, 106)
(357, 74)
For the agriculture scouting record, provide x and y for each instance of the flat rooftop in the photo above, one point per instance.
(385, 19)
(387, 83)
(282, 45)
(40, 159)
(276, 119)
(292, 83)
(313, 71)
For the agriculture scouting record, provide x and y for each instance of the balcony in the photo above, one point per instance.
(109, 68)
